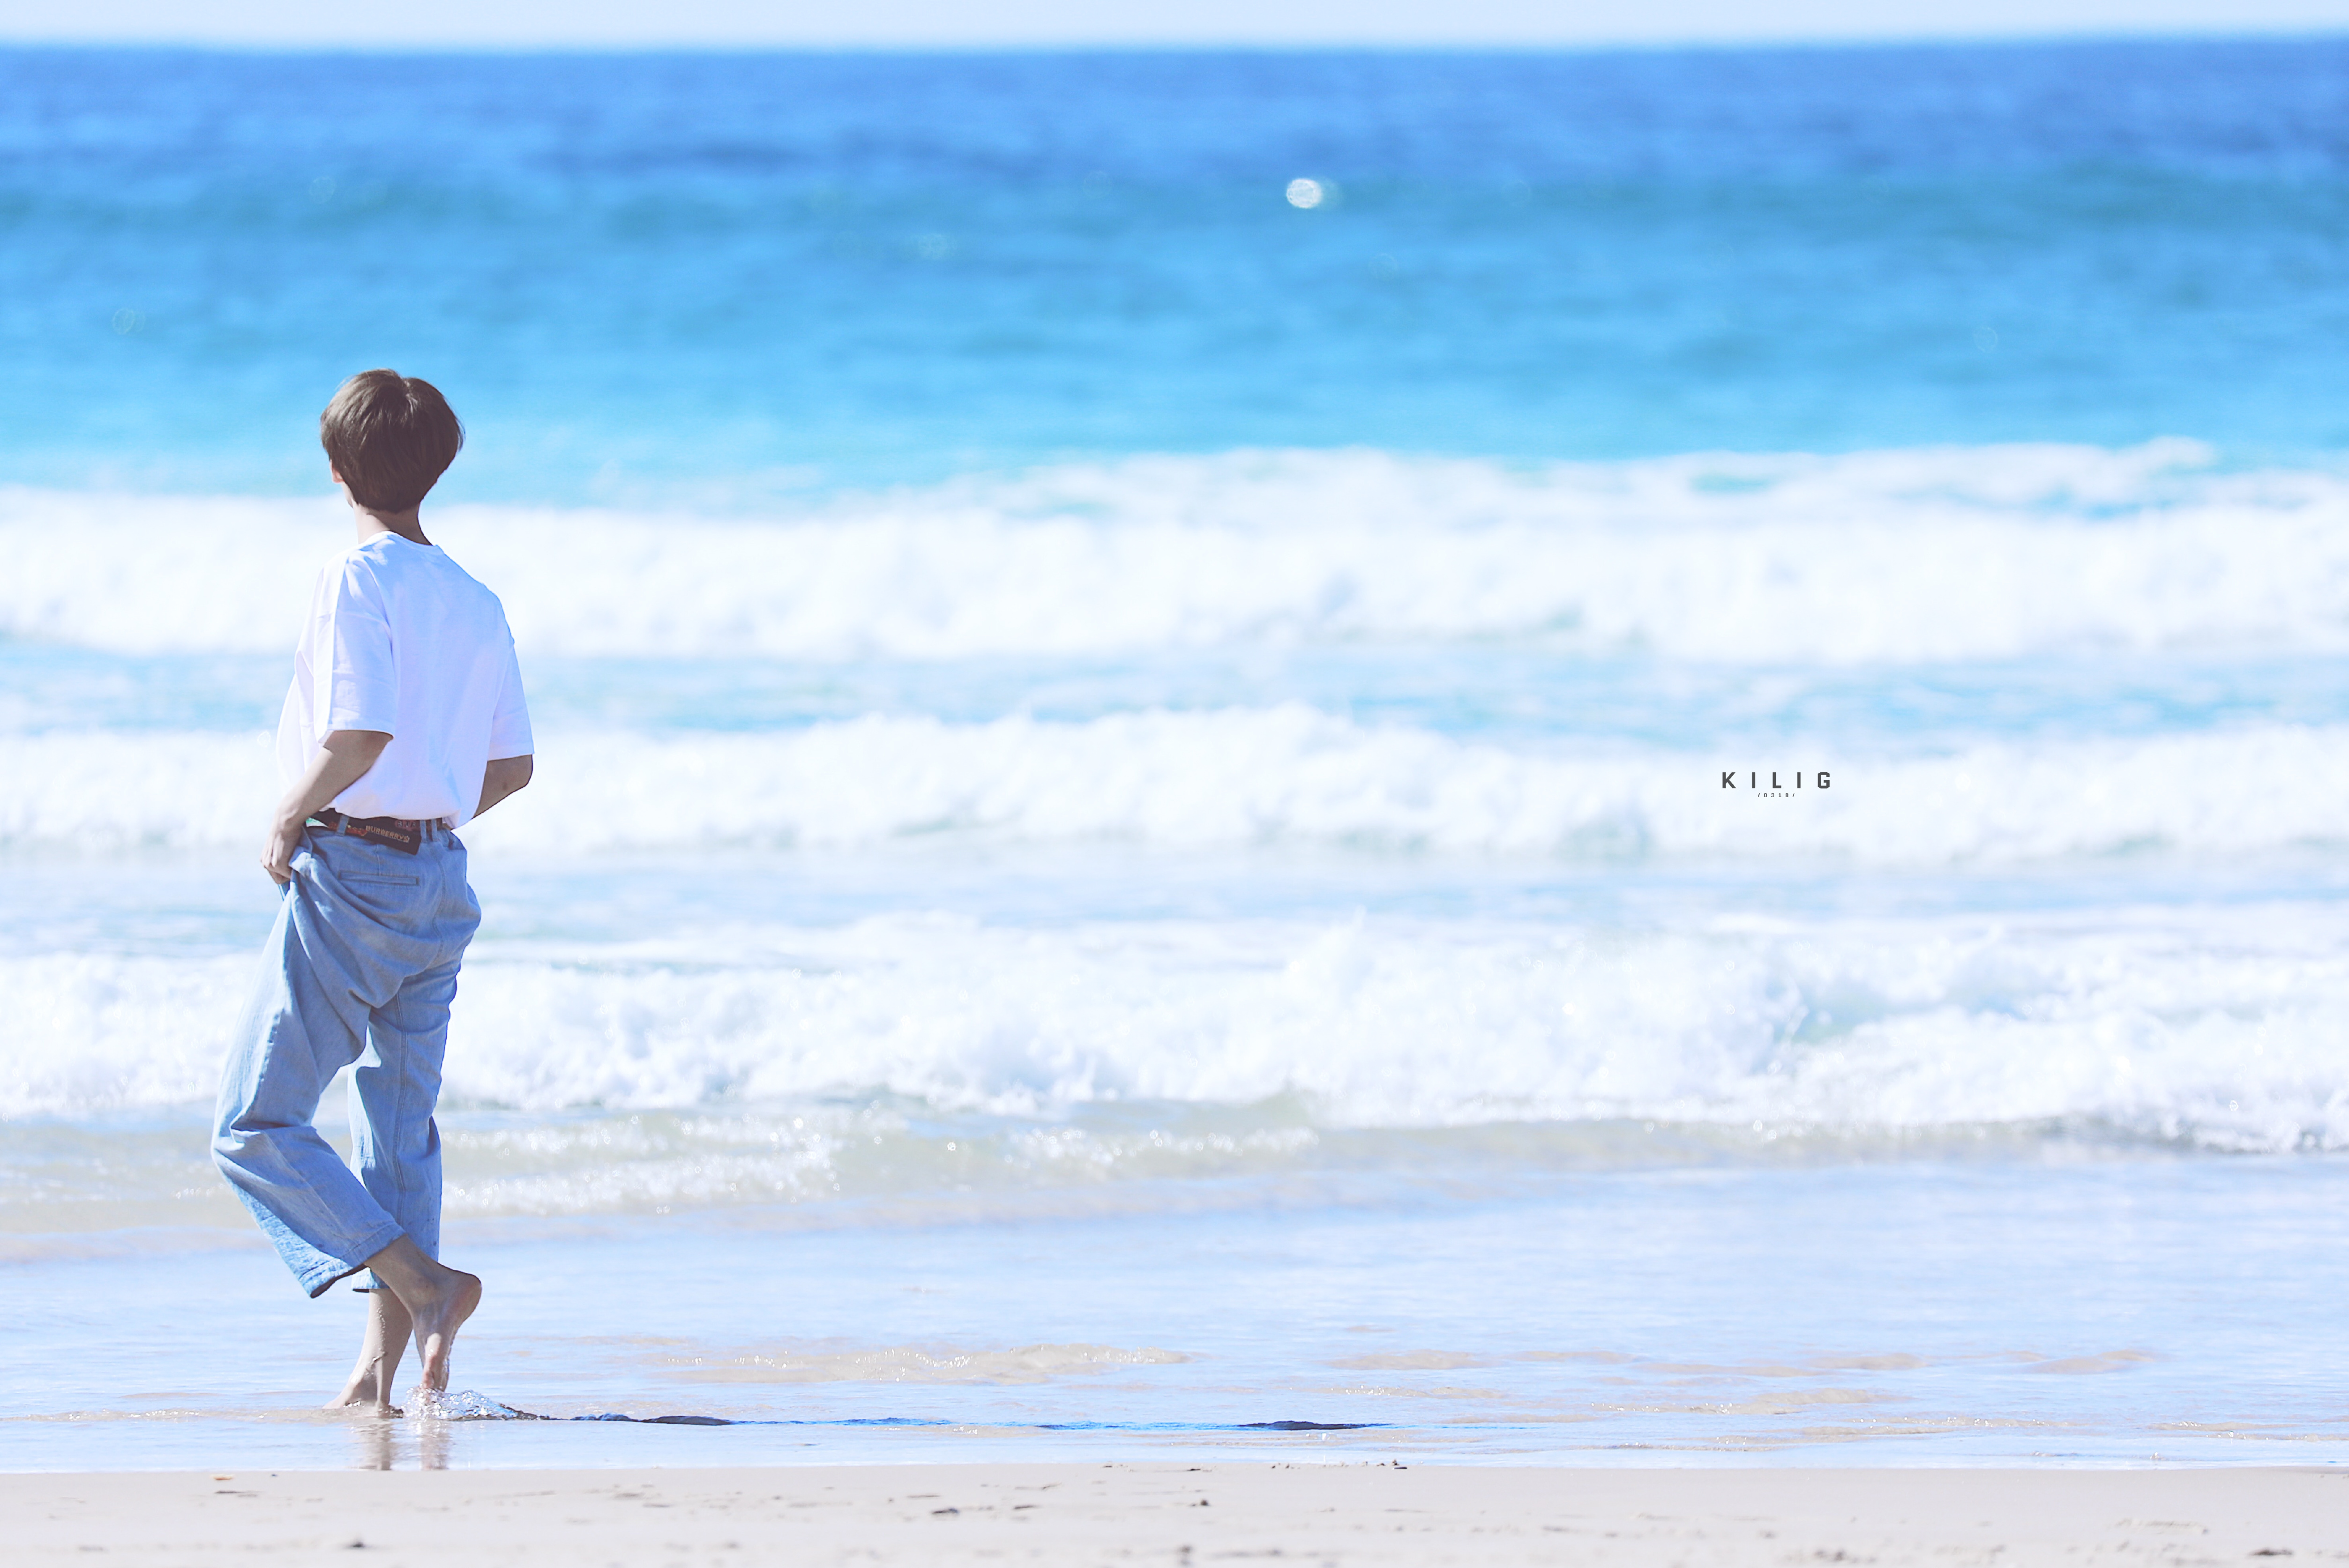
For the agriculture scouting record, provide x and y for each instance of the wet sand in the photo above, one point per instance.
(1074, 1513)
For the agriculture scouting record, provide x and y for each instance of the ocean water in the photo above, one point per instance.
(1655, 783)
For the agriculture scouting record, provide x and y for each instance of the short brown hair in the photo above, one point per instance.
(390, 438)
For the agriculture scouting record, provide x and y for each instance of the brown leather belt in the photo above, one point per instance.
(401, 833)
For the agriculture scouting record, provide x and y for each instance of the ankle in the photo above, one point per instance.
(403, 1267)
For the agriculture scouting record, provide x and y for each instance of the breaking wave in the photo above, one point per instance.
(1956, 554)
(1261, 776)
(2215, 1027)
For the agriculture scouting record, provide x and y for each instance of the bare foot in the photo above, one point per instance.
(437, 1326)
(388, 1330)
(438, 1299)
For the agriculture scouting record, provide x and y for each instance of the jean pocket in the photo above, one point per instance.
(380, 879)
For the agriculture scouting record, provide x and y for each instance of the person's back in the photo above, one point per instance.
(405, 720)
(441, 681)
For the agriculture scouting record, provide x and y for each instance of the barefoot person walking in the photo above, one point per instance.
(405, 721)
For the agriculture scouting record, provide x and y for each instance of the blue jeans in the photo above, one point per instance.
(361, 967)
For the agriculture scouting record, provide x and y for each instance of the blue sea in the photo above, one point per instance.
(1577, 758)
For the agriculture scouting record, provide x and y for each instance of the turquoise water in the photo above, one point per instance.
(1135, 834)
(717, 277)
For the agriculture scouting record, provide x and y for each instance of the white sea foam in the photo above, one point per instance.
(2221, 1027)
(1902, 555)
(1284, 775)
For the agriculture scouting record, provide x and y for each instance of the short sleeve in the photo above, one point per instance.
(361, 677)
(510, 728)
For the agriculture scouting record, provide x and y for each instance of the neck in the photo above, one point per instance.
(402, 523)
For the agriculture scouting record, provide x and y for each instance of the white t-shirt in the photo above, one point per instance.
(402, 640)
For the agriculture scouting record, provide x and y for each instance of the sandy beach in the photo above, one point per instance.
(1365, 1514)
